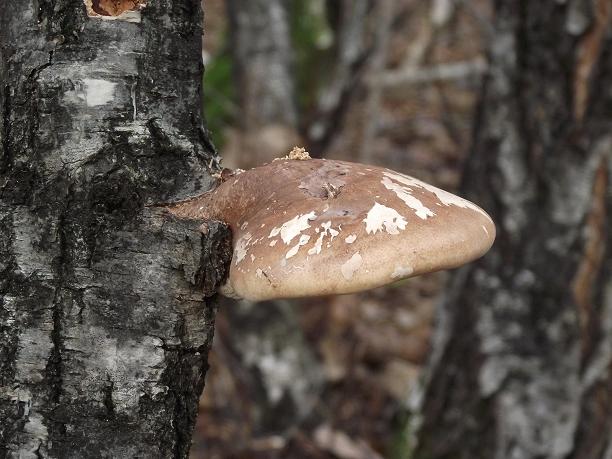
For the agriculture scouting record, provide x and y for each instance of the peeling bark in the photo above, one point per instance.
(522, 357)
(105, 310)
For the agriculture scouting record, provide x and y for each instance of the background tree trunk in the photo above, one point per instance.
(269, 353)
(349, 20)
(262, 58)
(105, 323)
(522, 359)
(261, 48)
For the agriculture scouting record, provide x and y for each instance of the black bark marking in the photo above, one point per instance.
(7, 156)
(108, 397)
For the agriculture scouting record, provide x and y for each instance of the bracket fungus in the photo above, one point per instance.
(307, 227)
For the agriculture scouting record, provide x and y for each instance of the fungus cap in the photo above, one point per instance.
(318, 227)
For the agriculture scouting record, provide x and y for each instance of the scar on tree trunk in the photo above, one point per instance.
(112, 8)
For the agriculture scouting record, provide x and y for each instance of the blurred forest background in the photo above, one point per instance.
(523, 367)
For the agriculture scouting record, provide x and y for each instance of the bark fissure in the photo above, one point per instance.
(108, 397)
(35, 73)
(6, 130)
(54, 366)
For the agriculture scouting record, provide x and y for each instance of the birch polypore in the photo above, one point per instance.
(316, 227)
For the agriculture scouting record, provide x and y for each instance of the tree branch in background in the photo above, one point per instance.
(474, 68)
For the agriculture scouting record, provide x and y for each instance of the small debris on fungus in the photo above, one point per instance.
(297, 154)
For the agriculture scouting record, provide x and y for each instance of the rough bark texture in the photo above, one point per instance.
(522, 360)
(105, 323)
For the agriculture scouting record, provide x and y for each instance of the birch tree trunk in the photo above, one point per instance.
(522, 359)
(261, 48)
(262, 58)
(105, 315)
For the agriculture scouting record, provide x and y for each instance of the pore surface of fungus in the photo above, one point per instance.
(315, 227)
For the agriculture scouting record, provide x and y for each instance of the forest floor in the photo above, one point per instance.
(371, 346)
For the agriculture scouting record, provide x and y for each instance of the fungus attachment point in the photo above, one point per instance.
(317, 227)
(127, 10)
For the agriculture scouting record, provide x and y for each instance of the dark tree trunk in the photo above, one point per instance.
(522, 359)
(105, 320)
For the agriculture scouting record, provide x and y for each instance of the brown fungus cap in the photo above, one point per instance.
(317, 227)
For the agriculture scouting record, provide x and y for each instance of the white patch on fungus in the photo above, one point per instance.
(380, 216)
(304, 238)
(273, 243)
(350, 238)
(316, 249)
(293, 251)
(98, 92)
(404, 193)
(402, 271)
(244, 225)
(349, 268)
(327, 230)
(446, 198)
(485, 229)
(242, 248)
(293, 227)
